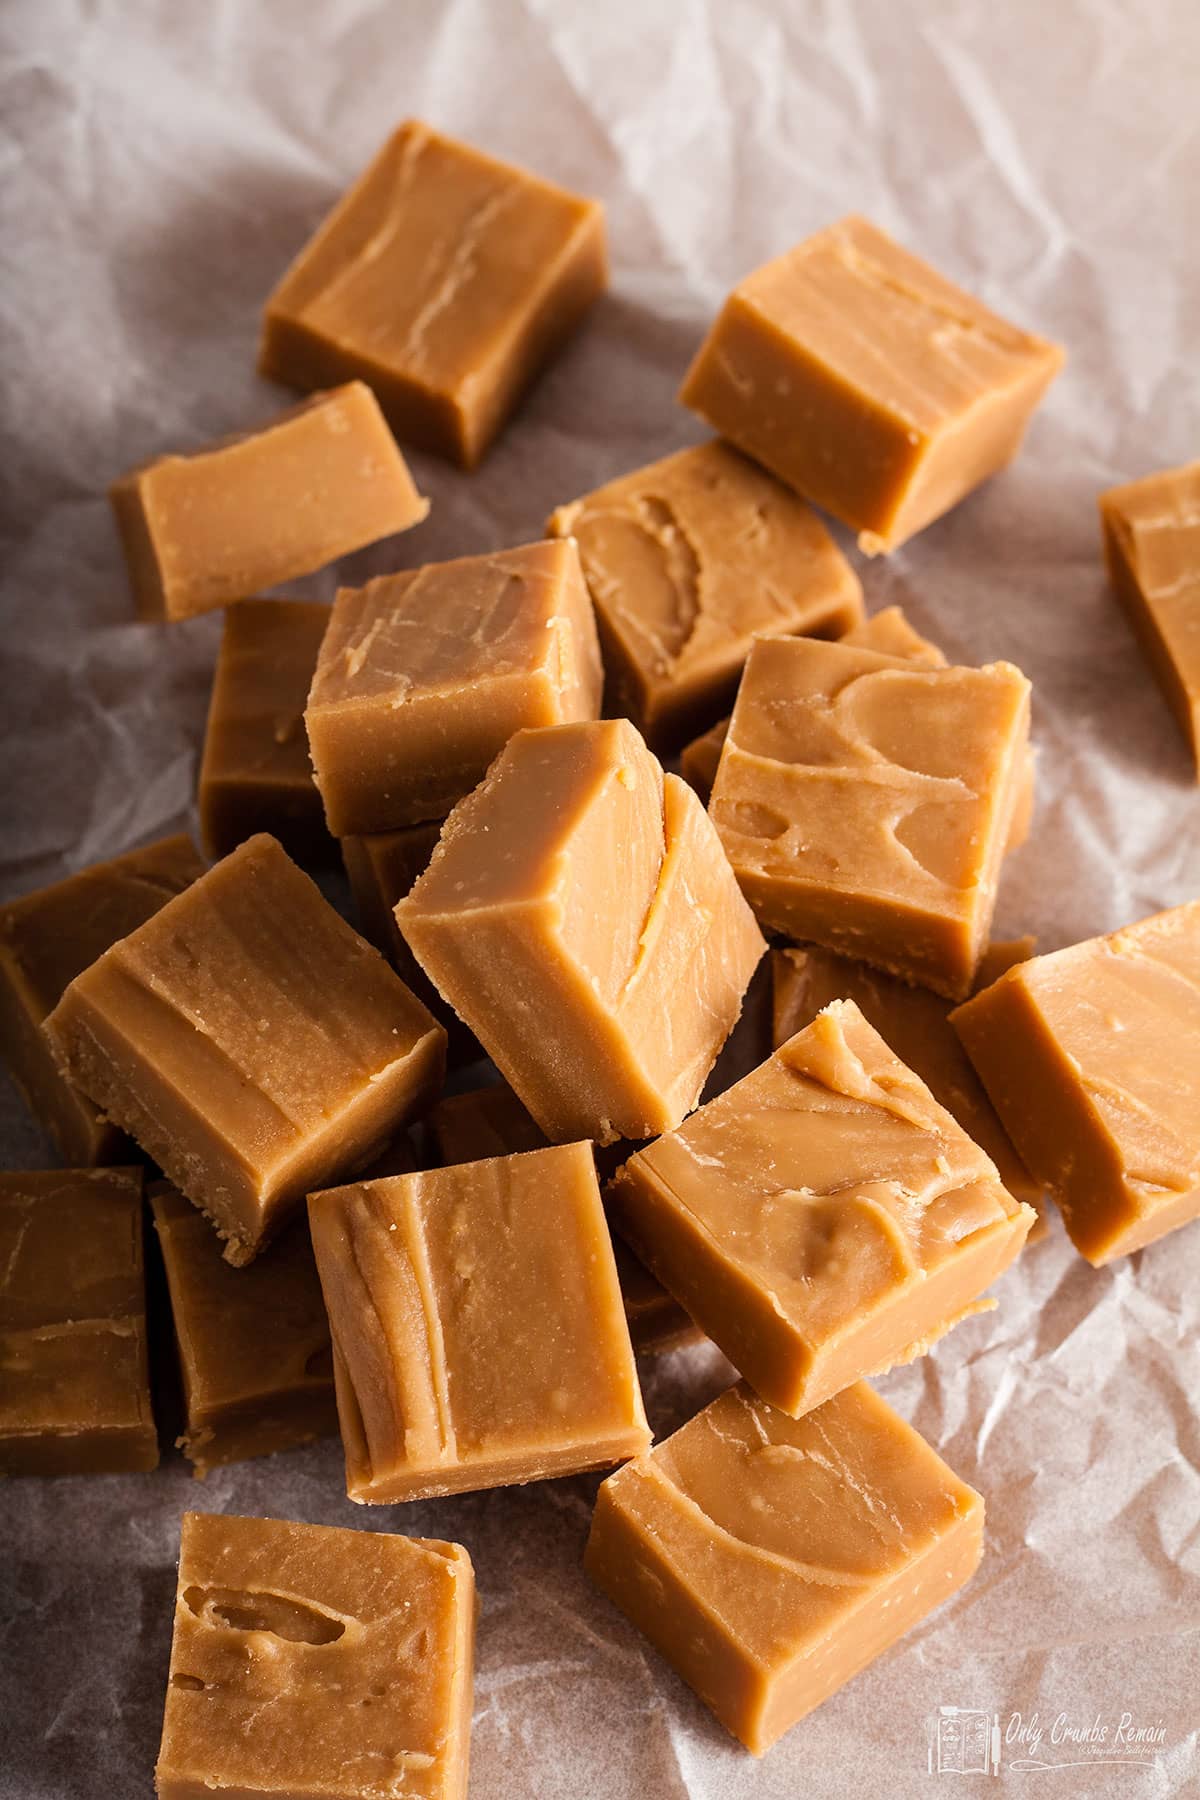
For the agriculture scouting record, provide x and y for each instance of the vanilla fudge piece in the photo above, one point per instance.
(445, 279)
(771, 1559)
(312, 1661)
(1090, 1057)
(478, 1334)
(687, 561)
(865, 802)
(74, 1379)
(249, 512)
(822, 1219)
(580, 916)
(252, 1043)
(867, 382)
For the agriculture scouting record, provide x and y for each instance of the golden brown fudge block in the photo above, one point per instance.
(771, 1559)
(46, 940)
(1152, 548)
(478, 1334)
(251, 1042)
(867, 382)
(255, 774)
(74, 1380)
(424, 676)
(580, 916)
(822, 1219)
(254, 1351)
(248, 512)
(865, 802)
(687, 561)
(1090, 1057)
(446, 280)
(311, 1661)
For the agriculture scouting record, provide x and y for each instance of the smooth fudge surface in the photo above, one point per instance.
(866, 802)
(46, 940)
(249, 512)
(424, 676)
(1151, 533)
(254, 1352)
(319, 1663)
(822, 1219)
(74, 1375)
(687, 561)
(255, 773)
(252, 1043)
(478, 1334)
(868, 382)
(1091, 1057)
(580, 916)
(771, 1559)
(445, 279)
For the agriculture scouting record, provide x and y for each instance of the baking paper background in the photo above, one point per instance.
(159, 164)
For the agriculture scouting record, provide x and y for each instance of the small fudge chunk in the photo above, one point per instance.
(251, 1042)
(865, 803)
(254, 1350)
(1152, 547)
(687, 561)
(74, 1380)
(771, 1559)
(580, 916)
(46, 940)
(247, 512)
(478, 1333)
(308, 1660)
(1089, 1055)
(446, 280)
(867, 382)
(822, 1219)
(424, 676)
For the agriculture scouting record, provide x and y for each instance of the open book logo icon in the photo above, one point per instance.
(963, 1741)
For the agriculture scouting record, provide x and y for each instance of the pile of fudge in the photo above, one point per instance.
(581, 788)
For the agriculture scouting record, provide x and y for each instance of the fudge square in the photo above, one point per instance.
(1090, 1057)
(686, 561)
(822, 1219)
(478, 1334)
(580, 916)
(252, 1043)
(424, 676)
(866, 381)
(308, 1660)
(74, 1380)
(771, 1559)
(46, 940)
(446, 280)
(866, 802)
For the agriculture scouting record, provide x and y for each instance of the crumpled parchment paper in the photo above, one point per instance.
(159, 164)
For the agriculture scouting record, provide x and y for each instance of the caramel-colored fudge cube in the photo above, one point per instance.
(867, 382)
(580, 916)
(46, 940)
(1152, 548)
(313, 1662)
(865, 802)
(478, 1334)
(822, 1219)
(424, 676)
(252, 1043)
(254, 1351)
(248, 512)
(687, 561)
(1091, 1057)
(771, 1559)
(445, 279)
(74, 1380)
